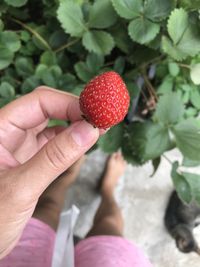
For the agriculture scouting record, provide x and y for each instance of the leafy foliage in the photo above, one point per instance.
(95, 17)
(170, 109)
(187, 137)
(181, 184)
(185, 39)
(153, 44)
(187, 185)
(195, 74)
(16, 3)
(71, 17)
(112, 141)
(99, 42)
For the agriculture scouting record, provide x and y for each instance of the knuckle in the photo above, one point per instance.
(55, 155)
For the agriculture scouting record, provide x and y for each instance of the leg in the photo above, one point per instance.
(106, 246)
(51, 202)
(108, 219)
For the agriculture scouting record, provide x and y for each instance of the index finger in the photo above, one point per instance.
(43, 103)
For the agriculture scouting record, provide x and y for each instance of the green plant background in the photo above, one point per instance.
(153, 44)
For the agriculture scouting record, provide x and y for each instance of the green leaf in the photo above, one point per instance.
(40, 70)
(128, 9)
(187, 136)
(186, 39)
(195, 98)
(6, 57)
(83, 72)
(186, 87)
(158, 10)
(188, 4)
(177, 24)
(41, 34)
(133, 144)
(56, 122)
(170, 109)
(194, 182)
(162, 71)
(67, 82)
(70, 16)
(157, 141)
(173, 69)
(58, 38)
(166, 86)
(24, 66)
(190, 42)
(112, 140)
(190, 163)
(78, 89)
(48, 58)
(99, 42)
(156, 164)
(1, 25)
(87, 70)
(141, 54)
(172, 50)
(121, 37)
(10, 40)
(182, 186)
(195, 73)
(25, 36)
(145, 141)
(30, 84)
(51, 76)
(190, 112)
(94, 62)
(99, 8)
(142, 30)
(4, 101)
(7, 90)
(186, 97)
(16, 3)
(119, 65)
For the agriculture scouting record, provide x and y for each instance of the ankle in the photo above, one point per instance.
(107, 192)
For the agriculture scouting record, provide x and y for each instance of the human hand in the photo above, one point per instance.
(32, 155)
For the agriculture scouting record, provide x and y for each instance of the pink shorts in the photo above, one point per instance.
(35, 249)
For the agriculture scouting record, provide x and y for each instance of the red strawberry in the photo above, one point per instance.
(105, 100)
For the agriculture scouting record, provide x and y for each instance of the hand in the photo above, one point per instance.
(32, 155)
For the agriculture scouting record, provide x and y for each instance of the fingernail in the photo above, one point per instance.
(84, 133)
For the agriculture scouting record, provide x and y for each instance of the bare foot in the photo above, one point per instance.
(115, 168)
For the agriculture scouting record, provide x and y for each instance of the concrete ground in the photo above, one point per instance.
(143, 201)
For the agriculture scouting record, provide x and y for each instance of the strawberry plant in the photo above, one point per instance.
(153, 44)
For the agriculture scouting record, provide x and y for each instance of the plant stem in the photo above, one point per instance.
(35, 33)
(144, 95)
(184, 66)
(155, 60)
(66, 45)
(149, 86)
(164, 156)
(109, 63)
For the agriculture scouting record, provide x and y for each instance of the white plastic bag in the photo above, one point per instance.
(63, 255)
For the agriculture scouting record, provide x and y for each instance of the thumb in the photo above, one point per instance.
(58, 155)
